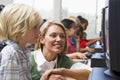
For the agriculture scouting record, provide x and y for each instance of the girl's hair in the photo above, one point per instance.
(79, 30)
(16, 20)
(82, 20)
(75, 19)
(44, 28)
(67, 23)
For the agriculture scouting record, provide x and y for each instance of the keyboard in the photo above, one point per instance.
(84, 61)
(98, 50)
(88, 54)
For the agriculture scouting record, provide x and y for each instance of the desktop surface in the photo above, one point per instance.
(98, 74)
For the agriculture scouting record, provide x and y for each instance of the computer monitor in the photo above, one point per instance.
(111, 37)
(103, 41)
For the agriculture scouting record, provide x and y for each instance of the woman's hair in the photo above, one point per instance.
(44, 28)
(16, 20)
(67, 23)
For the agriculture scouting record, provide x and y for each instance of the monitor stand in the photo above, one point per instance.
(113, 75)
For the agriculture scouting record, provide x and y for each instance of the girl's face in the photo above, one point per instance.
(54, 40)
(80, 34)
(84, 25)
(72, 30)
(32, 35)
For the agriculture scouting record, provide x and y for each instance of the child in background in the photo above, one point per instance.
(19, 25)
(83, 42)
(78, 30)
(70, 30)
(90, 42)
(83, 24)
(77, 24)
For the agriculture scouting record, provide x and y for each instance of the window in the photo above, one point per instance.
(89, 9)
(45, 7)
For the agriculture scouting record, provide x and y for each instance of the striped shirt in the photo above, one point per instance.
(14, 63)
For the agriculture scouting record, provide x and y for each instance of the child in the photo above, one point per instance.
(86, 42)
(70, 30)
(19, 25)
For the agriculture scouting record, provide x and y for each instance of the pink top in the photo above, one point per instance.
(70, 46)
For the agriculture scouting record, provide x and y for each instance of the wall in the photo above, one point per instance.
(5, 2)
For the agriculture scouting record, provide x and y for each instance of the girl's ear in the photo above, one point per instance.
(41, 39)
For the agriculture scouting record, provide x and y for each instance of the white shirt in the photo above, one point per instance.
(42, 63)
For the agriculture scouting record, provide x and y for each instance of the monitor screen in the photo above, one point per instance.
(111, 37)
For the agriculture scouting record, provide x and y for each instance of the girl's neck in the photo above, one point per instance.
(68, 35)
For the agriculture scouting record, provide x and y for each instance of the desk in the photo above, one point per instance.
(78, 66)
(88, 64)
(98, 60)
(98, 74)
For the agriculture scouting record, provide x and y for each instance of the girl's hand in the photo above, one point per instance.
(81, 56)
(92, 50)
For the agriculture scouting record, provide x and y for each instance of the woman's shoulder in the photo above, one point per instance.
(35, 52)
(64, 61)
(64, 58)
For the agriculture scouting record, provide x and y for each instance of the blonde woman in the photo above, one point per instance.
(19, 25)
(52, 56)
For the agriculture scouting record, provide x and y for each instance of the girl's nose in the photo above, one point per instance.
(58, 38)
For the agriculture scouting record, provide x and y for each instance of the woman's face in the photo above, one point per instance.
(54, 39)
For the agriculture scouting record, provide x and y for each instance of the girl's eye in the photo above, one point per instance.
(62, 36)
(53, 35)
